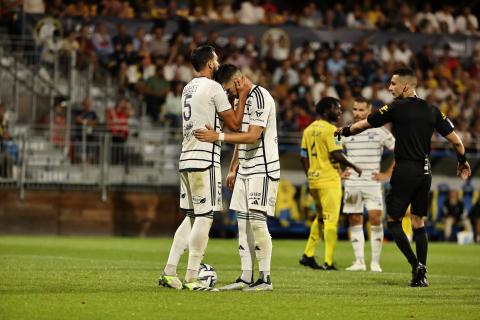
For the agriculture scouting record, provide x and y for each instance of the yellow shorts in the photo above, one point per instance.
(328, 202)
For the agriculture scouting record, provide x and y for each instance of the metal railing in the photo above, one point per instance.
(98, 161)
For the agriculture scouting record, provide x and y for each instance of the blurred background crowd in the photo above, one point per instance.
(153, 64)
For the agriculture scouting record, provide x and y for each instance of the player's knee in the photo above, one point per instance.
(355, 219)
(375, 220)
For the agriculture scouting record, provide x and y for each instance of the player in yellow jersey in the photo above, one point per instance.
(321, 155)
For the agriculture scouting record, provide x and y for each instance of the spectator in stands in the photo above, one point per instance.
(340, 19)
(117, 123)
(356, 18)
(58, 125)
(173, 105)
(86, 120)
(77, 9)
(5, 140)
(475, 218)
(426, 21)
(57, 9)
(155, 91)
(454, 215)
(139, 39)
(285, 69)
(310, 17)
(34, 6)
(336, 63)
(122, 38)
(250, 13)
(467, 23)
(445, 19)
(159, 45)
(102, 42)
(86, 52)
(425, 60)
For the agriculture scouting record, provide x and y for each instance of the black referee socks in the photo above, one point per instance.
(395, 228)
(421, 241)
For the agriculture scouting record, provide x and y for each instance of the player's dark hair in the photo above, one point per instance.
(225, 73)
(326, 104)
(403, 72)
(200, 57)
(361, 99)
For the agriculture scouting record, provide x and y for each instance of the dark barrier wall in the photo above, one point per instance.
(83, 212)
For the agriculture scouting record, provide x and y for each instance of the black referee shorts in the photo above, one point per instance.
(407, 190)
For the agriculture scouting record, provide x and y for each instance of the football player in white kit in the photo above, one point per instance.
(366, 151)
(253, 175)
(204, 101)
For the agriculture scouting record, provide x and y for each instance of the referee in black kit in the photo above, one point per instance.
(414, 121)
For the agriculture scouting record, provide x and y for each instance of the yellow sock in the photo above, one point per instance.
(312, 239)
(330, 234)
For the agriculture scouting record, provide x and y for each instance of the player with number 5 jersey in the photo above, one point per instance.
(203, 102)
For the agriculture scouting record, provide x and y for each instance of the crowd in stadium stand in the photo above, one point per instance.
(155, 66)
(390, 14)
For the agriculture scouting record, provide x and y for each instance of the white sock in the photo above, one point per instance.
(376, 241)
(263, 246)
(179, 245)
(197, 245)
(246, 248)
(358, 242)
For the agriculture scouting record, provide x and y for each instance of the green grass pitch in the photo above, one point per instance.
(117, 278)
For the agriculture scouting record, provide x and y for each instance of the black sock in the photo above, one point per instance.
(395, 228)
(421, 242)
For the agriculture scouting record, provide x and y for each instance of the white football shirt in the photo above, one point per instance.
(260, 158)
(365, 150)
(202, 100)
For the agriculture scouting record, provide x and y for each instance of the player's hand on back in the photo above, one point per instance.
(464, 171)
(230, 180)
(206, 135)
(345, 173)
(380, 176)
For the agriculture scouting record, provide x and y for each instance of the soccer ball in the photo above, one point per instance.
(207, 275)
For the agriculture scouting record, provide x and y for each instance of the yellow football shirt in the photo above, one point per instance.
(317, 142)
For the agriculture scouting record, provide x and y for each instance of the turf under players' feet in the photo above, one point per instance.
(329, 267)
(357, 266)
(239, 284)
(260, 285)
(375, 267)
(170, 282)
(197, 286)
(419, 278)
(310, 262)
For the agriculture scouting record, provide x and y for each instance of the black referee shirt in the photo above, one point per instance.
(414, 121)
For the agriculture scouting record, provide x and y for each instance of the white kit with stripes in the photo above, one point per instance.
(259, 171)
(200, 175)
(202, 99)
(365, 150)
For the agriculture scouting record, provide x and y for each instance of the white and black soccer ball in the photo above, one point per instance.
(207, 275)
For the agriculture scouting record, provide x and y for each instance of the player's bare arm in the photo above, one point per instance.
(232, 118)
(463, 168)
(249, 137)
(339, 157)
(233, 169)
